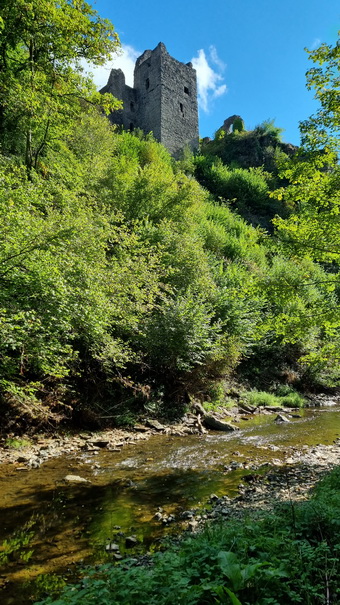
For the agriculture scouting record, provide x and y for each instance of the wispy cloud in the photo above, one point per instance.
(125, 60)
(316, 43)
(209, 79)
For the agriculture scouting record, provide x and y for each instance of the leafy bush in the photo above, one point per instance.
(242, 188)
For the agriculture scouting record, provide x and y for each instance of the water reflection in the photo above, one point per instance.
(75, 522)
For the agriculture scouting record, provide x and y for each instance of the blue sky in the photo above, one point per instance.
(249, 54)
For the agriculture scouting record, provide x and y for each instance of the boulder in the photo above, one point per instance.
(218, 425)
(154, 424)
(280, 418)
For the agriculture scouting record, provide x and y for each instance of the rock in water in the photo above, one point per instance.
(281, 418)
(218, 425)
(75, 479)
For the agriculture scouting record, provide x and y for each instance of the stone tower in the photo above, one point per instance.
(163, 99)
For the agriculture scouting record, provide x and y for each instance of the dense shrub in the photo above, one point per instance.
(246, 190)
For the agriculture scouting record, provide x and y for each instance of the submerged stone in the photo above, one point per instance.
(75, 479)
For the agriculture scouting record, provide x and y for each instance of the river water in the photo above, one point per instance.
(72, 524)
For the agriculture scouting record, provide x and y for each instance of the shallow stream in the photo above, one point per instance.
(73, 523)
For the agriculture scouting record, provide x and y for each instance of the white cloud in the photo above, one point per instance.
(209, 80)
(316, 43)
(215, 58)
(220, 90)
(125, 60)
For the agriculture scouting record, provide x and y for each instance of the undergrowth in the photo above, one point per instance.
(285, 397)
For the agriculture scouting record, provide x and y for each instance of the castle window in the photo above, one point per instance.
(132, 106)
(147, 83)
(181, 107)
(186, 90)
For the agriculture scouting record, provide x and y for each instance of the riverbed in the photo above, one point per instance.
(142, 491)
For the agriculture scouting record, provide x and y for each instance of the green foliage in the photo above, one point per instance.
(285, 396)
(245, 190)
(261, 147)
(15, 443)
(16, 548)
(321, 131)
(238, 125)
(292, 400)
(285, 556)
(312, 230)
(46, 585)
(268, 128)
(121, 277)
(262, 398)
(42, 87)
(182, 334)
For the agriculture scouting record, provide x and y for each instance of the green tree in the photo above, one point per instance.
(314, 176)
(321, 130)
(312, 231)
(41, 82)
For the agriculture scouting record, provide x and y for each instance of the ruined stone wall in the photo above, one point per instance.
(128, 116)
(163, 100)
(179, 113)
(147, 83)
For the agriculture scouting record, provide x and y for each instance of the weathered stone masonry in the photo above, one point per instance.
(163, 99)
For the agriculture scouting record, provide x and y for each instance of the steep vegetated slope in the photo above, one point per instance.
(125, 284)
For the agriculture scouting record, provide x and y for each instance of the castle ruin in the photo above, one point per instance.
(163, 100)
